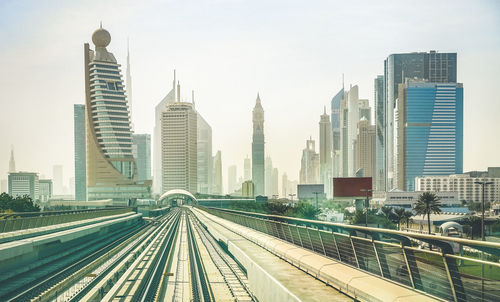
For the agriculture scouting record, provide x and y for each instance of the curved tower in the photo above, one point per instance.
(258, 177)
(111, 169)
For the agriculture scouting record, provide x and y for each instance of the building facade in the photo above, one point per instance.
(217, 171)
(12, 162)
(325, 153)
(336, 130)
(465, 185)
(309, 165)
(179, 147)
(141, 150)
(204, 163)
(380, 152)
(44, 189)
(247, 189)
(247, 169)
(428, 131)
(111, 168)
(24, 183)
(258, 153)
(365, 151)
(80, 152)
(403, 199)
(432, 66)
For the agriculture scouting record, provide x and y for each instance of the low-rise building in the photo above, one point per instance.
(24, 183)
(45, 189)
(404, 199)
(465, 185)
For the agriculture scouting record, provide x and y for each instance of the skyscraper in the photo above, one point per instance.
(258, 154)
(428, 131)
(309, 167)
(128, 83)
(247, 169)
(275, 183)
(432, 66)
(325, 152)
(12, 162)
(268, 176)
(179, 146)
(57, 177)
(365, 151)
(141, 149)
(217, 170)
(380, 172)
(284, 186)
(204, 163)
(231, 179)
(111, 169)
(157, 162)
(336, 130)
(80, 152)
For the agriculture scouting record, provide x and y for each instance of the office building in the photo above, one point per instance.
(111, 168)
(309, 166)
(325, 152)
(128, 92)
(80, 152)
(428, 131)
(433, 67)
(217, 171)
(365, 151)
(275, 183)
(231, 179)
(44, 190)
(336, 130)
(57, 177)
(141, 150)
(258, 154)
(179, 146)
(157, 147)
(403, 199)
(466, 186)
(268, 173)
(24, 183)
(380, 172)
(284, 185)
(247, 169)
(204, 163)
(247, 189)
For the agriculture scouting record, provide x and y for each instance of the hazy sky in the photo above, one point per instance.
(292, 52)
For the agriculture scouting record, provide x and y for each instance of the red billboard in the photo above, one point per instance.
(351, 186)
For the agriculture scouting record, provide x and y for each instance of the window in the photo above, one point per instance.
(111, 86)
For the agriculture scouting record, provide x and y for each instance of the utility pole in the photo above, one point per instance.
(367, 204)
(483, 238)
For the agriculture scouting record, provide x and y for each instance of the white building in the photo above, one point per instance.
(24, 183)
(404, 199)
(179, 147)
(45, 189)
(464, 184)
(204, 162)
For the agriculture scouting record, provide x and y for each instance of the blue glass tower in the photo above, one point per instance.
(430, 130)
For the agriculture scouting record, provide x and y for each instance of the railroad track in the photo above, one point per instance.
(53, 269)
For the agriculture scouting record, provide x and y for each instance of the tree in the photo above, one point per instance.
(427, 204)
(474, 222)
(400, 215)
(407, 218)
(305, 210)
(18, 203)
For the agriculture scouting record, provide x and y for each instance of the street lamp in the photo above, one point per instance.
(316, 194)
(483, 184)
(291, 197)
(367, 204)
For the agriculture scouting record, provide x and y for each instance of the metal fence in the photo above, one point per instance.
(403, 257)
(12, 223)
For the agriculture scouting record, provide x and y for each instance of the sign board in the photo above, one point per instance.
(351, 186)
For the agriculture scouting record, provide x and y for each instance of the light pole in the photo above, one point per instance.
(483, 184)
(316, 194)
(367, 204)
(291, 197)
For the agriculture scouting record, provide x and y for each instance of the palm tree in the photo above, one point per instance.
(407, 217)
(427, 204)
(400, 215)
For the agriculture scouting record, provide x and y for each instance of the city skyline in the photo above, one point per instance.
(232, 134)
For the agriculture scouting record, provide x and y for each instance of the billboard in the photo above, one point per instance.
(351, 186)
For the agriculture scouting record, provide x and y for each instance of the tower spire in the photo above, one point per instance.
(178, 92)
(12, 162)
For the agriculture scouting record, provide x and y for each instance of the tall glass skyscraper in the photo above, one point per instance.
(380, 175)
(336, 128)
(432, 66)
(111, 169)
(142, 155)
(80, 153)
(429, 134)
(258, 155)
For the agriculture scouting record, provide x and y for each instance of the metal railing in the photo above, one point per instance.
(402, 257)
(45, 219)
